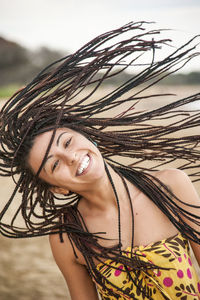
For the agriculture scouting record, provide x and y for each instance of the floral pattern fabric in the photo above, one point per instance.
(180, 282)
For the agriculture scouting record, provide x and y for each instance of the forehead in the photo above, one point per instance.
(44, 139)
(40, 145)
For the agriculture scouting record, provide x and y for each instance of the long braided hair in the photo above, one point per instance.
(66, 94)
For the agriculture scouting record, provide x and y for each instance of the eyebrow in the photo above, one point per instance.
(59, 137)
(57, 144)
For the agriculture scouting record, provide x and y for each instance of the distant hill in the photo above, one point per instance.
(19, 65)
(183, 79)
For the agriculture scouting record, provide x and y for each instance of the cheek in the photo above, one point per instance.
(60, 177)
(45, 178)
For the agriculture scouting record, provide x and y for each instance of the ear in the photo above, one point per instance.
(59, 190)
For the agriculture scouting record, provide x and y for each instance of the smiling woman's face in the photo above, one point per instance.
(73, 162)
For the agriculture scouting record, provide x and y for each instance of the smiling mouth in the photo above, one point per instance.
(83, 166)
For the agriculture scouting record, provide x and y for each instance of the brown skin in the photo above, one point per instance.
(98, 205)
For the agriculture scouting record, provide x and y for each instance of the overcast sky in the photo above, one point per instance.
(68, 24)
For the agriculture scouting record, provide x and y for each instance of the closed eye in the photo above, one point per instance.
(68, 142)
(55, 165)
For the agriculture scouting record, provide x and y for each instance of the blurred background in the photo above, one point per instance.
(33, 33)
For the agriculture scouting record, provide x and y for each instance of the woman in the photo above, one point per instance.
(121, 229)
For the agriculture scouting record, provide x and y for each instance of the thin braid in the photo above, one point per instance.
(118, 206)
(131, 207)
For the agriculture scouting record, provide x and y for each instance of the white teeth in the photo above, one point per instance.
(84, 165)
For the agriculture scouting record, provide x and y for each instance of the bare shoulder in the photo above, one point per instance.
(179, 183)
(56, 244)
(62, 250)
(172, 176)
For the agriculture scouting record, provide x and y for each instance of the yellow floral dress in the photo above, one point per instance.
(180, 282)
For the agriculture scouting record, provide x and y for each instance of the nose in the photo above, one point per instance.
(70, 157)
